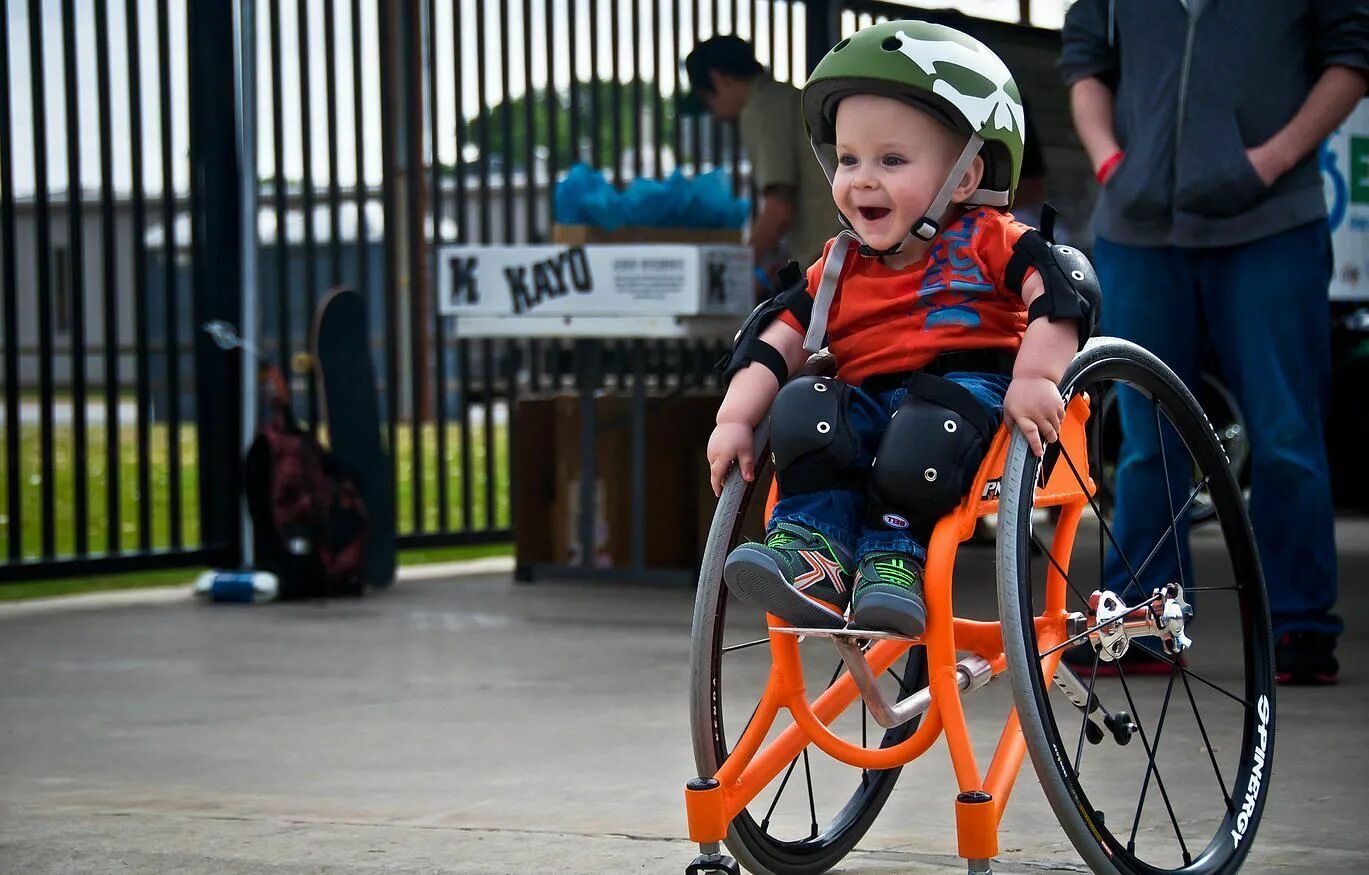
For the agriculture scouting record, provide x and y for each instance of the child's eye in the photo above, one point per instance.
(893, 161)
(846, 160)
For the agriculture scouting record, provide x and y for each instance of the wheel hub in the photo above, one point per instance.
(1112, 623)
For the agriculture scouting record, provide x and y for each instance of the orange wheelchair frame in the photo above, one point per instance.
(712, 802)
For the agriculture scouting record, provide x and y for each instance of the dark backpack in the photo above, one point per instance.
(309, 523)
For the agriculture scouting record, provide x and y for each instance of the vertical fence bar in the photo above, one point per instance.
(463, 232)
(284, 338)
(139, 253)
(595, 128)
(715, 140)
(411, 40)
(529, 130)
(463, 376)
(774, 38)
(334, 191)
(505, 126)
(244, 131)
(434, 153)
(171, 290)
(616, 90)
(819, 32)
(636, 88)
(109, 280)
(573, 57)
(696, 131)
(459, 102)
(216, 245)
(363, 241)
(552, 99)
(734, 142)
(14, 507)
(657, 101)
(487, 379)
(680, 79)
(77, 247)
(439, 324)
(307, 186)
(483, 122)
(43, 289)
(389, 161)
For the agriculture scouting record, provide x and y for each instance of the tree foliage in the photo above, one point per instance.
(506, 123)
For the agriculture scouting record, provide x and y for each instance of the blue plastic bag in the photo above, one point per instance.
(584, 197)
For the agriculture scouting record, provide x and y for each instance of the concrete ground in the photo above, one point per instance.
(471, 725)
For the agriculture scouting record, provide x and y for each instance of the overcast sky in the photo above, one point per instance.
(473, 47)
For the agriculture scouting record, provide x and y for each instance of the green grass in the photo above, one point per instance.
(96, 524)
(181, 576)
(40, 589)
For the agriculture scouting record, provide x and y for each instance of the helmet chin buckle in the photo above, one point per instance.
(926, 229)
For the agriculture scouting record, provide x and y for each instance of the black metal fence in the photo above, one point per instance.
(104, 415)
(384, 128)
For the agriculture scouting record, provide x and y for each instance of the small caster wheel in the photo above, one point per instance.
(1121, 726)
(713, 864)
(1093, 733)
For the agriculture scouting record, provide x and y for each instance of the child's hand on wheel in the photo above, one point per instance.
(730, 441)
(1034, 405)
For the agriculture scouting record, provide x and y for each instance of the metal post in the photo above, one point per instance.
(244, 27)
(823, 27)
(216, 231)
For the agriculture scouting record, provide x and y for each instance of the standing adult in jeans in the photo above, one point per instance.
(795, 217)
(1202, 119)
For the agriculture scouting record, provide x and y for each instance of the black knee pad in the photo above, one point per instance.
(811, 437)
(929, 455)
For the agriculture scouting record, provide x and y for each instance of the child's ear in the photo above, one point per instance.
(969, 183)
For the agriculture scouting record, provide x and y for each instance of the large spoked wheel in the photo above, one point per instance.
(1170, 775)
(816, 810)
(1227, 421)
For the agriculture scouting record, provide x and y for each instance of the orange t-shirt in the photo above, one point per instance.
(886, 321)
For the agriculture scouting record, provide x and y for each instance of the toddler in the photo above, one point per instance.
(929, 304)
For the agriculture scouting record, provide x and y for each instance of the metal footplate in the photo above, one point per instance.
(972, 672)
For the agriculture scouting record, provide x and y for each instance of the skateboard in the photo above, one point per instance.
(347, 385)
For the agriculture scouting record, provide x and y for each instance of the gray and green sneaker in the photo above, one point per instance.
(888, 595)
(797, 575)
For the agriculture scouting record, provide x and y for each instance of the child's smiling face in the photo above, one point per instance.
(892, 159)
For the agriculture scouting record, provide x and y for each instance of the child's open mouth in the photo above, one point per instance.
(873, 214)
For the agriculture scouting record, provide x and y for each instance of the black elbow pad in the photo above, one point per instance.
(747, 345)
(1071, 285)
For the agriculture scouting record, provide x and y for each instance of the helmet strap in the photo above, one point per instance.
(927, 227)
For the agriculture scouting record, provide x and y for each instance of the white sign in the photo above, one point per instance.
(620, 290)
(1345, 172)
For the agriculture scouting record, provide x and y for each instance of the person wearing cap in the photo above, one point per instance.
(795, 211)
(929, 302)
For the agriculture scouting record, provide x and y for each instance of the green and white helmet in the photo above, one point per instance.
(952, 76)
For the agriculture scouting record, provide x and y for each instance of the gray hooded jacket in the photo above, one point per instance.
(1197, 82)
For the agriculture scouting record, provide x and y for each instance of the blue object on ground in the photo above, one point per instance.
(243, 587)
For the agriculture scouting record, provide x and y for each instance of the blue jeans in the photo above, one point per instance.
(1262, 309)
(839, 513)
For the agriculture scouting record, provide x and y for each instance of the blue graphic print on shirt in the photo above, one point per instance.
(953, 278)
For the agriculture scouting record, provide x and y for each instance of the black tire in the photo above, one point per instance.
(1205, 820)
(718, 718)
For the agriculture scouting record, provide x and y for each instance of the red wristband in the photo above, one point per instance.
(1105, 169)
